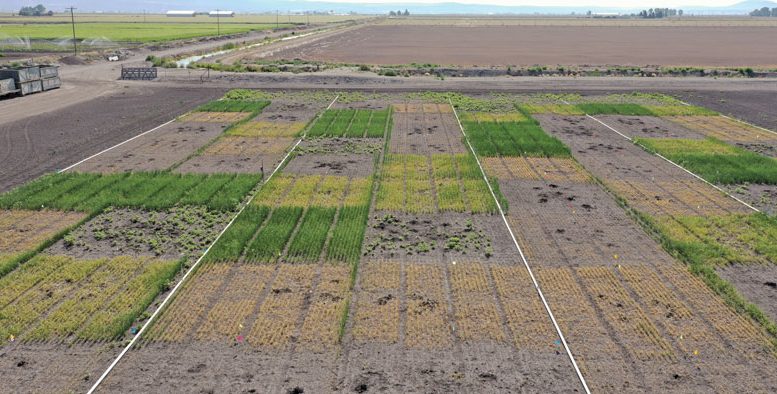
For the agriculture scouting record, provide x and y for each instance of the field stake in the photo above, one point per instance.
(196, 263)
(523, 257)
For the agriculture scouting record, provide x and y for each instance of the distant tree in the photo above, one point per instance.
(765, 11)
(407, 13)
(588, 13)
(38, 10)
(680, 12)
(392, 13)
(774, 11)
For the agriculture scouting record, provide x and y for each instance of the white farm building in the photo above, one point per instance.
(183, 14)
(222, 14)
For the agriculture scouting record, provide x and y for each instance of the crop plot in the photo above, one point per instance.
(725, 129)
(234, 154)
(158, 150)
(169, 234)
(267, 129)
(410, 319)
(93, 192)
(436, 183)
(555, 109)
(549, 169)
(358, 123)
(22, 231)
(301, 218)
(424, 129)
(511, 138)
(53, 297)
(231, 105)
(343, 164)
(447, 236)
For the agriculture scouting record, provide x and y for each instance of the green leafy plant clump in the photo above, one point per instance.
(715, 161)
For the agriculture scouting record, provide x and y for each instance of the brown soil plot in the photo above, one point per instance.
(531, 45)
(158, 150)
(21, 231)
(235, 154)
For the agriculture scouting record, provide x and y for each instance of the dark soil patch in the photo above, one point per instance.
(346, 164)
(648, 127)
(758, 283)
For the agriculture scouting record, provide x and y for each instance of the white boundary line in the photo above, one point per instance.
(116, 146)
(191, 269)
(523, 257)
(676, 165)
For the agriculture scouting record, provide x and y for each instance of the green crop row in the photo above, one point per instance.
(643, 110)
(348, 235)
(228, 105)
(269, 243)
(513, 139)
(309, 240)
(230, 246)
(151, 190)
(715, 161)
(351, 123)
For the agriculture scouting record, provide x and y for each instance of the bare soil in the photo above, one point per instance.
(55, 140)
(755, 107)
(648, 127)
(158, 150)
(39, 367)
(425, 133)
(530, 45)
(758, 283)
(344, 164)
(172, 234)
(233, 154)
(763, 197)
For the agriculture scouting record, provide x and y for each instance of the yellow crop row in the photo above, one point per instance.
(625, 315)
(274, 191)
(482, 117)
(423, 108)
(225, 319)
(359, 191)
(22, 231)
(477, 317)
(376, 317)
(321, 328)
(557, 109)
(276, 323)
(723, 128)
(426, 324)
(268, 129)
(330, 191)
(178, 321)
(234, 145)
(214, 117)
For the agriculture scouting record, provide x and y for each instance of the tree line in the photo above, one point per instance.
(765, 11)
(658, 13)
(38, 10)
(399, 13)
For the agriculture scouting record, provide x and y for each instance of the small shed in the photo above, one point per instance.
(181, 14)
(222, 14)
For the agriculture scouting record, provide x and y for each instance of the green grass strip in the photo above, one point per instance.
(233, 106)
(614, 109)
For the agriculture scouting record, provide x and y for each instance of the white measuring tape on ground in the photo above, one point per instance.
(523, 257)
(195, 265)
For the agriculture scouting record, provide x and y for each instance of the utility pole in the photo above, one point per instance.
(218, 22)
(73, 22)
(144, 16)
(277, 15)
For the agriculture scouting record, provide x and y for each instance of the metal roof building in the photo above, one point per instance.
(222, 14)
(189, 14)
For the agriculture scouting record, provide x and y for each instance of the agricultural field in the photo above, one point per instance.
(319, 242)
(498, 43)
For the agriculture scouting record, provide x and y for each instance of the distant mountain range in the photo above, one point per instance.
(362, 8)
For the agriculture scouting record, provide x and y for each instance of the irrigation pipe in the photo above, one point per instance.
(195, 265)
(523, 257)
(116, 146)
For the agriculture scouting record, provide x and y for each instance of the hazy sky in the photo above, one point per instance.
(604, 3)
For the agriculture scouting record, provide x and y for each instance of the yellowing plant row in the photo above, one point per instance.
(268, 129)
